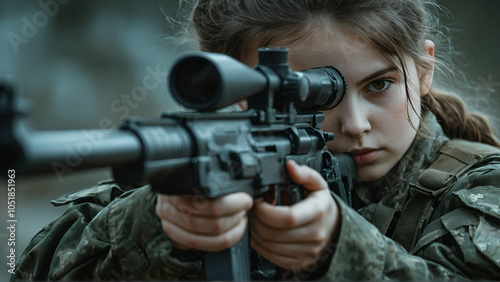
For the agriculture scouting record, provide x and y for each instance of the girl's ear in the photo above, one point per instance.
(427, 73)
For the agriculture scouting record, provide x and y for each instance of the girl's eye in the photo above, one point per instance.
(379, 85)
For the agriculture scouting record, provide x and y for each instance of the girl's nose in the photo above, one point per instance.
(354, 119)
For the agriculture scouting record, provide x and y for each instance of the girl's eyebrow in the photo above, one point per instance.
(375, 74)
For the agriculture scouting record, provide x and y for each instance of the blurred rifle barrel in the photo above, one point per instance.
(47, 151)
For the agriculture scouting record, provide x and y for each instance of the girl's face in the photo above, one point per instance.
(371, 123)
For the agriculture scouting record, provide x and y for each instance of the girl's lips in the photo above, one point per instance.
(364, 156)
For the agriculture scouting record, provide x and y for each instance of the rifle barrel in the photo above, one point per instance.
(79, 149)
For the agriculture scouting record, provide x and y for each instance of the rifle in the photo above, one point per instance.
(204, 152)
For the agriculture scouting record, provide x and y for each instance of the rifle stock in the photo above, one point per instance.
(204, 153)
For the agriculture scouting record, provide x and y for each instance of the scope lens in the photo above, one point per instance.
(326, 88)
(194, 82)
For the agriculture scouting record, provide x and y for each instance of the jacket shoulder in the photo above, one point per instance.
(103, 193)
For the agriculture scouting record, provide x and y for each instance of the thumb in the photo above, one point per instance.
(305, 176)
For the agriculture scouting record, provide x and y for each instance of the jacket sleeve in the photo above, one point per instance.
(120, 241)
(464, 242)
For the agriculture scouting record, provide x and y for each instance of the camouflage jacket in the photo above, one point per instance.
(108, 233)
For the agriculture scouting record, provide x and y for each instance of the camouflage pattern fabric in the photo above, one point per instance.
(108, 233)
(105, 237)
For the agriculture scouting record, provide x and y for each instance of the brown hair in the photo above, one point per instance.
(396, 28)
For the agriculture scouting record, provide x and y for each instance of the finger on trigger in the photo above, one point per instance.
(305, 176)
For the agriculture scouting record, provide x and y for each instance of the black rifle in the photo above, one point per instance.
(206, 153)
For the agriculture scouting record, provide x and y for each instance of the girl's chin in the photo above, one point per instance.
(370, 173)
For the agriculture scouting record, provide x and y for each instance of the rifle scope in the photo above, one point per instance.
(208, 81)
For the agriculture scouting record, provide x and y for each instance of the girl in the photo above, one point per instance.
(424, 207)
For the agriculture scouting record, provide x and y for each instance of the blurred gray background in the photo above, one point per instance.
(77, 61)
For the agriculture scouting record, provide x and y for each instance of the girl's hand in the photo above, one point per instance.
(193, 222)
(296, 237)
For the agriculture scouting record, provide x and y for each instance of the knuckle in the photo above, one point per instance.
(263, 234)
(173, 199)
(163, 210)
(225, 242)
(307, 262)
(319, 236)
(316, 251)
(215, 209)
(294, 266)
(320, 212)
(289, 221)
(189, 223)
(218, 226)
